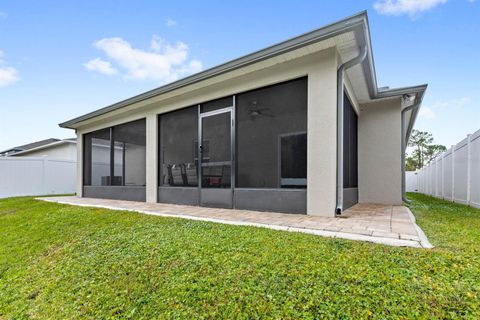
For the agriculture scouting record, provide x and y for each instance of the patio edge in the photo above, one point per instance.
(424, 242)
(323, 233)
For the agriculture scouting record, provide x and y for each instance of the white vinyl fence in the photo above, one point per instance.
(31, 176)
(411, 179)
(455, 174)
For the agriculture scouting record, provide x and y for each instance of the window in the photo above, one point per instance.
(350, 145)
(125, 166)
(271, 136)
(178, 148)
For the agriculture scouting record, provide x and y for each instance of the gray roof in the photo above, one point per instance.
(357, 23)
(37, 144)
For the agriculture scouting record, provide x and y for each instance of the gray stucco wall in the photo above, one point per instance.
(379, 158)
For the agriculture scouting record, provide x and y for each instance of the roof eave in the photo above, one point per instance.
(357, 23)
(418, 89)
(413, 116)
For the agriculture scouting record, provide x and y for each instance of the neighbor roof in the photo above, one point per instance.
(358, 24)
(36, 144)
(54, 142)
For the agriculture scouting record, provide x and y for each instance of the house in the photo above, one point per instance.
(44, 167)
(28, 146)
(53, 148)
(297, 127)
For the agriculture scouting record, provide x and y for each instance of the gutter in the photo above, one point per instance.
(340, 92)
(405, 135)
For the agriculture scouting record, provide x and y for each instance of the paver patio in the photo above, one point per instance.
(385, 224)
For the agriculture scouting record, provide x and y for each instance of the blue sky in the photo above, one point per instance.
(61, 59)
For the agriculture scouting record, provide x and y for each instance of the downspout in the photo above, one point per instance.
(414, 109)
(340, 92)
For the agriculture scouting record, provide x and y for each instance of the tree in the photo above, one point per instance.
(424, 150)
(433, 151)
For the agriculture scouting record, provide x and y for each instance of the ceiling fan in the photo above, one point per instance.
(256, 112)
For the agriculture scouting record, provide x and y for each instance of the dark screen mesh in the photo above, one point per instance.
(271, 136)
(178, 132)
(350, 145)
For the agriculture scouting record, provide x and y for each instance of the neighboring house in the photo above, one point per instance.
(39, 168)
(297, 127)
(26, 147)
(52, 148)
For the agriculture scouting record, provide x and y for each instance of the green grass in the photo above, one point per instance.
(59, 261)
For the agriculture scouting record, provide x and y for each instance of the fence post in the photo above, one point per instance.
(432, 184)
(424, 176)
(469, 166)
(423, 180)
(453, 173)
(44, 175)
(427, 185)
(443, 175)
(427, 169)
(430, 189)
(437, 191)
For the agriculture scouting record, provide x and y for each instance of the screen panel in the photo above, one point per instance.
(350, 145)
(116, 156)
(217, 104)
(271, 126)
(178, 132)
(129, 143)
(216, 151)
(97, 158)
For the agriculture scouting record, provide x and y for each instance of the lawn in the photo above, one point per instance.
(59, 261)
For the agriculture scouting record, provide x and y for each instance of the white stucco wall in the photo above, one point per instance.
(320, 68)
(379, 157)
(322, 137)
(152, 157)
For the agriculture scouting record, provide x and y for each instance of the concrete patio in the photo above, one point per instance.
(383, 224)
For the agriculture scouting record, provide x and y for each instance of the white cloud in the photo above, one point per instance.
(410, 7)
(426, 112)
(99, 65)
(430, 111)
(453, 103)
(163, 61)
(8, 75)
(157, 43)
(170, 23)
